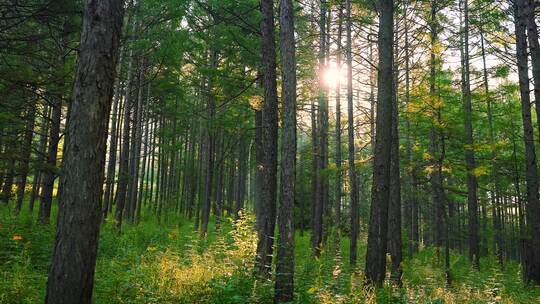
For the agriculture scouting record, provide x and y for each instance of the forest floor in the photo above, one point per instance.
(151, 263)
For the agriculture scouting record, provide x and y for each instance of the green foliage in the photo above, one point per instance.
(150, 263)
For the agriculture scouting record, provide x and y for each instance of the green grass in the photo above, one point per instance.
(149, 263)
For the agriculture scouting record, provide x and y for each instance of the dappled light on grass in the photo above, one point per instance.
(195, 276)
(175, 266)
(157, 264)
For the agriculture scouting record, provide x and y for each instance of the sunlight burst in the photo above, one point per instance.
(334, 75)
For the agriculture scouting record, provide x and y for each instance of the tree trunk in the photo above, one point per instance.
(209, 157)
(218, 208)
(40, 158)
(259, 164)
(242, 175)
(531, 259)
(270, 133)
(123, 174)
(135, 150)
(152, 156)
(111, 165)
(50, 172)
(351, 148)
(338, 129)
(534, 46)
(25, 157)
(284, 290)
(411, 209)
(145, 152)
(322, 140)
(200, 156)
(72, 272)
(394, 206)
(472, 184)
(378, 225)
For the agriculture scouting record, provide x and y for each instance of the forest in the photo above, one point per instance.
(261, 151)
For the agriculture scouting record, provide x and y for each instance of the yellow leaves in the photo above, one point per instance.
(413, 107)
(438, 47)
(480, 171)
(437, 103)
(431, 168)
(480, 147)
(446, 169)
(440, 125)
(336, 272)
(361, 162)
(426, 156)
(256, 102)
(312, 290)
(187, 68)
(17, 237)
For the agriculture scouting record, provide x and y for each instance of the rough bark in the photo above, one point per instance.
(411, 209)
(470, 161)
(72, 270)
(339, 174)
(50, 172)
(111, 165)
(378, 225)
(531, 258)
(135, 149)
(269, 125)
(394, 206)
(351, 149)
(144, 168)
(123, 174)
(40, 158)
(434, 145)
(24, 164)
(534, 47)
(284, 288)
(322, 140)
(209, 155)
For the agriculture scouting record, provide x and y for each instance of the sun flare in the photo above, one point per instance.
(334, 75)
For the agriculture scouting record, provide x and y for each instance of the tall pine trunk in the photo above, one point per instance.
(322, 140)
(40, 158)
(24, 164)
(378, 225)
(111, 165)
(531, 258)
(50, 172)
(339, 174)
(72, 269)
(123, 174)
(353, 181)
(394, 205)
(472, 184)
(267, 209)
(284, 290)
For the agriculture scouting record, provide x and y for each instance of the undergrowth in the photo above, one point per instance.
(170, 263)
